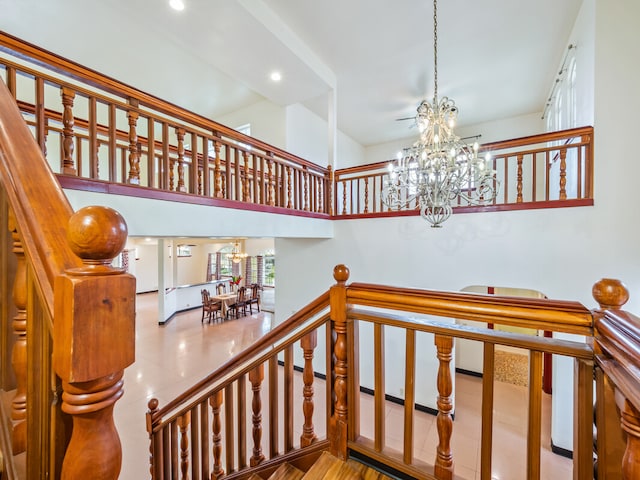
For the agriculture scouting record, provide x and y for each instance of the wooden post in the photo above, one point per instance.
(246, 184)
(519, 179)
(338, 312)
(216, 402)
(563, 174)
(180, 159)
(183, 424)
(612, 295)
(306, 188)
(134, 154)
(94, 340)
(289, 205)
(256, 376)
(271, 184)
(366, 195)
(329, 194)
(68, 166)
(308, 343)
(155, 447)
(19, 353)
(443, 467)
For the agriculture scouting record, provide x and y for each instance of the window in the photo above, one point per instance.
(270, 268)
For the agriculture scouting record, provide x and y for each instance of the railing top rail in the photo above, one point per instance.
(274, 336)
(499, 337)
(49, 60)
(486, 147)
(40, 206)
(555, 315)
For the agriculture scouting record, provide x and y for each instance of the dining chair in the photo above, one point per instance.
(241, 303)
(221, 288)
(254, 298)
(210, 307)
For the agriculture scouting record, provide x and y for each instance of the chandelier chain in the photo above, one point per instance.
(435, 51)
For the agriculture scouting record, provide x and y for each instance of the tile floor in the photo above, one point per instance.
(171, 358)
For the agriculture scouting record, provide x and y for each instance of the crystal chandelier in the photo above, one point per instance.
(438, 169)
(236, 254)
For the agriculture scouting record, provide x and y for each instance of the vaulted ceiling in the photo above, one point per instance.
(496, 58)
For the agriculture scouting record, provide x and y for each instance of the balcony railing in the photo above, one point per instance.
(97, 132)
(541, 171)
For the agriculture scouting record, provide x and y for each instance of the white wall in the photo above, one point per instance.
(307, 137)
(267, 122)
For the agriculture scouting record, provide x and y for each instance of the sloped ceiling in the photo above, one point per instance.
(496, 58)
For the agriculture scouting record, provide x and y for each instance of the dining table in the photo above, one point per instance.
(226, 299)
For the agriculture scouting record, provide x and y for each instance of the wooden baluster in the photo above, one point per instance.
(306, 189)
(172, 163)
(631, 425)
(154, 440)
(247, 182)
(366, 195)
(271, 184)
(19, 354)
(443, 467)
(519, 179)
(218, 190)
(338, 311)
(320, 190)
(180, 159)
(134, 158)
(256, 376)
(329, 187)
(183, 424)
(216, 403)
(308, 343)
(344, 197)
(89, 301)
(289, 187)
(563, 174)
(68, 166)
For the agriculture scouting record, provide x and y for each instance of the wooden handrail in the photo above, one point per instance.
(39, 204)
(67, 256)
(47, 59)
(274, 336)
(565, 316)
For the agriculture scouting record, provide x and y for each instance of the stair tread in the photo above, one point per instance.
(367, 472)
(330, 467)
(286, 472)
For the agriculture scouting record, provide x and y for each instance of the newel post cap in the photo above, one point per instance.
(341, 273)
(610, 293)
(94, 304)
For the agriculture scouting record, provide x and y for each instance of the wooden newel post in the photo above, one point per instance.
(94, 340)
(612, 295)
(338, 309)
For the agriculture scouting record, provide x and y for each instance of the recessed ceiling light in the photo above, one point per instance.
(177, 5)
(276, 76)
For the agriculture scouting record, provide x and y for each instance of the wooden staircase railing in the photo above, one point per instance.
(97, 132)
(235, 421)
(214, 408)
(73, 319)
(541, 171)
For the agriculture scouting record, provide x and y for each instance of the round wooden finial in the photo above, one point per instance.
(341, 273)
(97, 234)
(153, 404)
(610, 293)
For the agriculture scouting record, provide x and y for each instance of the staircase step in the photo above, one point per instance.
(330, 467)
(367, 472)
(286, 472)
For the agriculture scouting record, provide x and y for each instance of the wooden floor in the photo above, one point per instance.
(171, 358)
